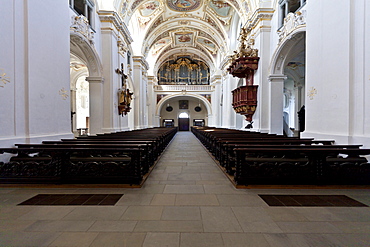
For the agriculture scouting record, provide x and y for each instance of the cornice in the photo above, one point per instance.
(142, 61)
(224, 63)
(114, 18)
(259, 15)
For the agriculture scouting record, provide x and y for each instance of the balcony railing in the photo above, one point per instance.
(175, 88)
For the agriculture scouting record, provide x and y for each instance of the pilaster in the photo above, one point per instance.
(276, 104)
(96, 104)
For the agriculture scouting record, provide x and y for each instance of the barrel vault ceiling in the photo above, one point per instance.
(165, 29)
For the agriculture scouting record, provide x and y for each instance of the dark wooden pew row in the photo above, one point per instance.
(112, 159)
(152, 151)
(228, 157)
(145, 158)
(63, 165)
(161, 136)
(283, 163)
(301, 165)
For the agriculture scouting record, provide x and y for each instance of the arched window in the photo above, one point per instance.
(184, 115)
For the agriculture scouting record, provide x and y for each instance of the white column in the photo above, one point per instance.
(276, 103)
(96, 104)
(140, 94)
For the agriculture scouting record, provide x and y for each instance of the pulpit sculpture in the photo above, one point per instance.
(125, 96)
(243, 65)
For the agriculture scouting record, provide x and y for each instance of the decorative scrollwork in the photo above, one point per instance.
(80, 24)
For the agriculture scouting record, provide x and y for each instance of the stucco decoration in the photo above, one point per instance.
(147, 11)
(291, 22)
(183, 5)
(63, 93)
(80, 25)
(208, 44)
(183, 38)
(311, 93)
(3, 78)
(221, 8)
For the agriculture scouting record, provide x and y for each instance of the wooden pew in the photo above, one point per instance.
(72, 165)
(301, 165)
(110, 158)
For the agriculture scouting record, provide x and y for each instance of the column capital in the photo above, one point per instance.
(92, 79)
(141, 60)
(277, 77)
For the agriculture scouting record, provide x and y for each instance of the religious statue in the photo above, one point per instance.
(125, 96)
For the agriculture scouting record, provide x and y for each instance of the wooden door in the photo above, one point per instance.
(184, 124)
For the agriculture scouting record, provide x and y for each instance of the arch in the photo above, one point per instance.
(82, 48)
(161, 103)
(289, 48)
(285, 51)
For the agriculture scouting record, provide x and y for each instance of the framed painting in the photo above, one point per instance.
(183, 104)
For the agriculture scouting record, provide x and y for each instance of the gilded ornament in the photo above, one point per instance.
(3, 78)
(63, 93)
(311, 93)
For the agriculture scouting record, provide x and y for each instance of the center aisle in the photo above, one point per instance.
(192, 202)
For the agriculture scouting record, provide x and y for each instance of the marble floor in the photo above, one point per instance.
(187, 202)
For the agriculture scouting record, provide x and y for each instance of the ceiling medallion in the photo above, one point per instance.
(183, 5)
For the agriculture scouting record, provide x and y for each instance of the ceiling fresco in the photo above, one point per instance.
(169, 26)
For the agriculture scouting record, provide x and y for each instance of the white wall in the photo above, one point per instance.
(338, 69)
(36, 59)
(176, 111)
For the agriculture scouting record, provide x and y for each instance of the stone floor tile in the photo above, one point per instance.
(178, 182)
(179, 177)
(173, 169)
(219, 219)
(212, 182)
(163, 199)
(184, 189)
(350, 240)
(181, 213)
(352, 227)
(149, 189)
(240, 200)
(308, 227)
(155, 239)
(135, 199)
(221, 189)
(14, 225)
(251, 214)
(317, 214)
(118, 239)
(196, 200)
(96, 213)
(284, 214)
(169, 226)
(60, 226)
(279, 240)
(143, 213)
(260, 227)
(80, 239)
(201, 240)
(12, 212)
(351, 213)
(113, 226)
(46, 213)
(244, 240)
(21, 238)
(158, 176)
